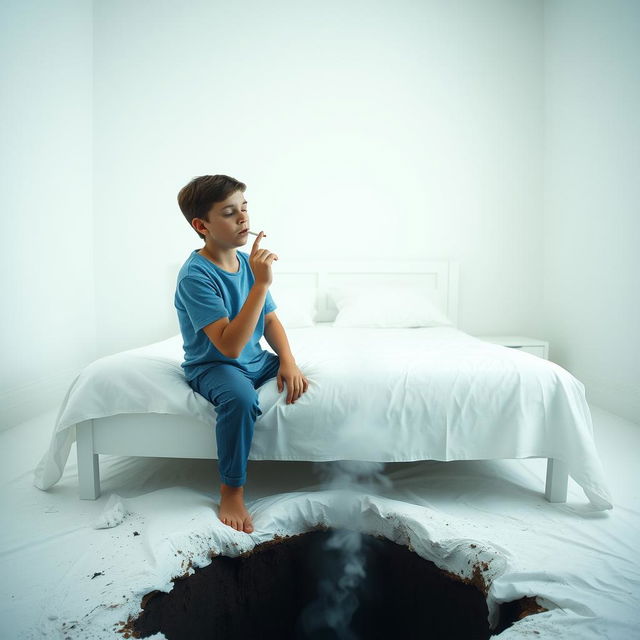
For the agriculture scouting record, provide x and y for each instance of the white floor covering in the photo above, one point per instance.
(584, 565)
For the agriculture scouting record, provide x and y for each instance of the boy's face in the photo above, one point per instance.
(226, 221)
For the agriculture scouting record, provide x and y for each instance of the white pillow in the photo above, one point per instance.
(296, 305)
(386, 305)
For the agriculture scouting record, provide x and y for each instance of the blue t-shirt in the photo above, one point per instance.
(205, 293)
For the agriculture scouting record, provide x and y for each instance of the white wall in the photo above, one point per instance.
(362, 129)
(46, 230)
(592, 197)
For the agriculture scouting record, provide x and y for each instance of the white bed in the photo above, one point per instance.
(379, 394)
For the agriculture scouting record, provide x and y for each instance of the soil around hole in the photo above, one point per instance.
(264, 592)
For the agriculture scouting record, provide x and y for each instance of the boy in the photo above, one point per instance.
(224, 306)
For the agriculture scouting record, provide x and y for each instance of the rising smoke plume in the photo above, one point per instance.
(344, 555)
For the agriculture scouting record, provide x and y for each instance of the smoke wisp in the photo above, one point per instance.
(342, 560)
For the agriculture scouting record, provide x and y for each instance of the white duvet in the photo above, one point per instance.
(385, 395)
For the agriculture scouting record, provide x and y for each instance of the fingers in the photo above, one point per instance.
(263, 255)
(260, 253)
(256, 242)
(296, 388)
(266, 257)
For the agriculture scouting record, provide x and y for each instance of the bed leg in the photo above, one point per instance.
(557, 480)
(88, 463)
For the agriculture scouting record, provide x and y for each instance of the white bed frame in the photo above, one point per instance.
(163, 435)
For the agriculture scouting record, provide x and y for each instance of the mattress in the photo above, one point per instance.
(384, 395)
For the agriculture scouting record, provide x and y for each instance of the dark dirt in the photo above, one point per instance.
(262, 593)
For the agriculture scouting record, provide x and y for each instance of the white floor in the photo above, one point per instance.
(583, 565)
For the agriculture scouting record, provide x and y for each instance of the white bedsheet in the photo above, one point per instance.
(385, 395)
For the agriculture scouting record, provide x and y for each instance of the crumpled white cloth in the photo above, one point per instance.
(179, 531)
(113, 514)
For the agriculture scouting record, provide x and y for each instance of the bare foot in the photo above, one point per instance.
(232, 510)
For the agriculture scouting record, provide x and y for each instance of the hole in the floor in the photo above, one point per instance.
(294, 588)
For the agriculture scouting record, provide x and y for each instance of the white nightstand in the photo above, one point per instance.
(537, 347)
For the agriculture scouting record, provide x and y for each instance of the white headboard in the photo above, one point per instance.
(438, 275)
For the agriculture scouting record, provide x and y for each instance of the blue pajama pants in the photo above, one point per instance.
(232, 391)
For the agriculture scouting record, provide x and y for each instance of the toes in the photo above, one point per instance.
(239, 525)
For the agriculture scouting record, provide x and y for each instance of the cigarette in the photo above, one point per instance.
(253, 233)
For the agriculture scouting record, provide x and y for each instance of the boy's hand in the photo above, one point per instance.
(297, 384)
(260, 262)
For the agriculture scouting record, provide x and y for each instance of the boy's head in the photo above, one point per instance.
(197, 199)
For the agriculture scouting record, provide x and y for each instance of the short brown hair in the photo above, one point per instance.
(196, 198)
